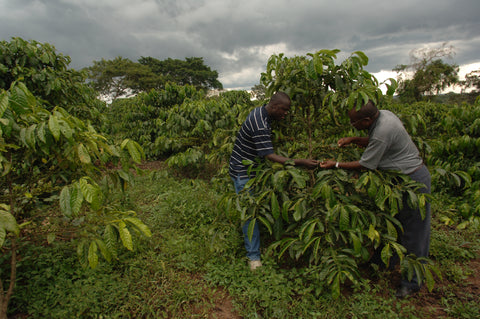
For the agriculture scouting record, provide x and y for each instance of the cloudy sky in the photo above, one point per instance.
(236, 37)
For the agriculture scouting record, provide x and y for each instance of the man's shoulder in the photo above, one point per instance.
(387, 118)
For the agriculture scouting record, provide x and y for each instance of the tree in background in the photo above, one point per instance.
(121, 76)
(192, 71)
(431, 75)
(258, 91)
(472, 80)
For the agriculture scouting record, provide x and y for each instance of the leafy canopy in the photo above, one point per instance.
(430, 76)
(121, 76)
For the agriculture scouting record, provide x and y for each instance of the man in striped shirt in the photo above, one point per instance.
(254, 142)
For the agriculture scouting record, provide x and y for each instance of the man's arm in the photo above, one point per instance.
(310, 163)
(345, 165)
(358, 140)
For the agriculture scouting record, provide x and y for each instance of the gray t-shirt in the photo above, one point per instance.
(389, 146)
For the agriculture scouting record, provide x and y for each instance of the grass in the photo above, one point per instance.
(194, 267)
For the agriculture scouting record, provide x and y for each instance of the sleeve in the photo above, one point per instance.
(373, 153)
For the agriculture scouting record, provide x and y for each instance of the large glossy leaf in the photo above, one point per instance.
(3, 103)
(139, 225)
(92, 255)
(83, 154)
(125, 236)
(54, 127)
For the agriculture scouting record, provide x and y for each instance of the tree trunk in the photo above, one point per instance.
(5, 296)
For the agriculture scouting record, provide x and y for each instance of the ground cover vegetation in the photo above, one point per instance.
(70, 200)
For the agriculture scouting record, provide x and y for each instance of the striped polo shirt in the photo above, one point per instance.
(253, 141)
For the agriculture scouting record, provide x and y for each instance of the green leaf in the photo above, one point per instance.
(430, 282)
(386, 254)
(83, 154)
(140, 225)
(54, 127)
(266, 223)
(344, 221)
(8, 222)
(3, 103)
(104, 250)
(297, 214)
(285, 209)
(299, 179)
(275, 207)
(3, 235)
(110, 237)
(135, 151)
(41, 133)
(65, 201)
(363, 57)
(92, 255)
(125, 236)
(66, 130)
(357, 244)
(251, 227)
(391, 230)
(373, 234)
(76, 199)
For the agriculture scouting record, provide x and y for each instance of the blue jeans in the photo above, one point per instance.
(252, 246)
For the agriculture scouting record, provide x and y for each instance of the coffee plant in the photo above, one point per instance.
(50, 154)
(334, 220)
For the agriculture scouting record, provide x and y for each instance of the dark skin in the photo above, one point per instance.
(278, 110)
(360, 123)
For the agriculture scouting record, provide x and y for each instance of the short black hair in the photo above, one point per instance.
(367, 110)
(280, 98)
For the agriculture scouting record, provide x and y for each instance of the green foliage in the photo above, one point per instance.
(180, 123)
(56, 149)
(334, 220)
(431, 75)
(316, 84)
(46, 74)
(195, 262)
(192, 71)
(449, 138)
(121, 76)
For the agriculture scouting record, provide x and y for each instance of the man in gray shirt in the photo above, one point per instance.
(389, 147)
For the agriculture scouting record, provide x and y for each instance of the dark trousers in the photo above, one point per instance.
(416, 231)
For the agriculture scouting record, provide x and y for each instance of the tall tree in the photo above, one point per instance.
(431, 74)
(258, 91)
(122, 76)
(472, 80)
(192, 71)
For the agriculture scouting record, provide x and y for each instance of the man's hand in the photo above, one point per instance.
(310, 163)
(327, 164)
(344, 141)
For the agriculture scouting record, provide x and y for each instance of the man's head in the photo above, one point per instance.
(279, 106)
(363, 118)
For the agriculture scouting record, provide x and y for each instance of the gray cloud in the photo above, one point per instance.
(237, 37)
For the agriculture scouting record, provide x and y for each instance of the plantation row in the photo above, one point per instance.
(60, 146)
(308, 215)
